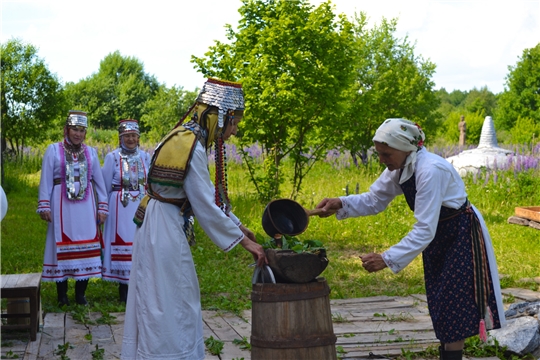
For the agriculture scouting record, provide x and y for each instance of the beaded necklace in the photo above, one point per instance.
(74, 160)
(132, 176)
(221, 194)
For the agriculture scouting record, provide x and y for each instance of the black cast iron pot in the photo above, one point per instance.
(286, 217)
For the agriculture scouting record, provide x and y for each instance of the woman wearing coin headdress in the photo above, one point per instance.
(163, 311)
(124, 171)
(73, 200)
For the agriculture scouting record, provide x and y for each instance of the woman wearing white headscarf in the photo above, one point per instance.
(460, 271)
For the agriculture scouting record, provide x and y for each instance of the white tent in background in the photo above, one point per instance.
(488, 154)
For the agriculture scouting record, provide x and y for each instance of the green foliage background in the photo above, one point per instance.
(314, 81)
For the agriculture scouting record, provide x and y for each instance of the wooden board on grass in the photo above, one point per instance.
(528, 212)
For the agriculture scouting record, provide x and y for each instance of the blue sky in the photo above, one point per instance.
(472, 42)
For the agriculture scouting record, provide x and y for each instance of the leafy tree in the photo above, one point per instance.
(522, 97)
(119, 90)
(450, 129)
(457, 97)
(482, 102)
(525, 131)
(446, 106)
(165, 109)
(294, 61)
(390, 81)
(32, 96)
(450, 102)
(475, 105)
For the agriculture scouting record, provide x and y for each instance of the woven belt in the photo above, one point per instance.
(464, 208)
(178, 202)
(58, 181)
(119, 188)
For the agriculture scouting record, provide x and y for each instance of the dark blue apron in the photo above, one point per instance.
(449, 274)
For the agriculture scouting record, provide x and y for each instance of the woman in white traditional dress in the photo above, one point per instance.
(460, 271)
(73, 200)
(124, 172)
(163, 312)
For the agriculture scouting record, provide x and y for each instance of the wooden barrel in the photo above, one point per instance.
(292, 321)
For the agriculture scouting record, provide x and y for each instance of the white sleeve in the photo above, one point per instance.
(220, 228)
(99, 183)
(108, 172)
(380, 194)
(46, 181)
(431, 184)
(235, 219)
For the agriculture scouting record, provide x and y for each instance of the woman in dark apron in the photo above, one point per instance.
(460, 271)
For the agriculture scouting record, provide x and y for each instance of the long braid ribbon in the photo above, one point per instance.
(481, 275)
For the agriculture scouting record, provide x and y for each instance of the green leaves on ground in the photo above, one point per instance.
(215, 347)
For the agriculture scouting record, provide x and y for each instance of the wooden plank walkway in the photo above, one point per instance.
(383, 325)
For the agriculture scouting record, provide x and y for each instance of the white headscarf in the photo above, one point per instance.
(404, 135)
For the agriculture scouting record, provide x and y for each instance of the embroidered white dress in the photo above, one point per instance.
(163, 313)
(72, 247)
(119, 228)
(437, 183)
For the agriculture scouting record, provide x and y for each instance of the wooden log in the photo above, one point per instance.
(534, 225)
(518, 221)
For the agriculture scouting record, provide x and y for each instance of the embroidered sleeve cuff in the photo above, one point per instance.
(343, 213)
(391, 264)
(230, 247)
(103, 208)
(43, 205)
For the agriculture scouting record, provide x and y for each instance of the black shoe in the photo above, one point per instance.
(61, 289)
(63, 301)
(450, 354)
(81, 300)
(80, 289)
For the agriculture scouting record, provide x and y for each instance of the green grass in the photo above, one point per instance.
(225, 278)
